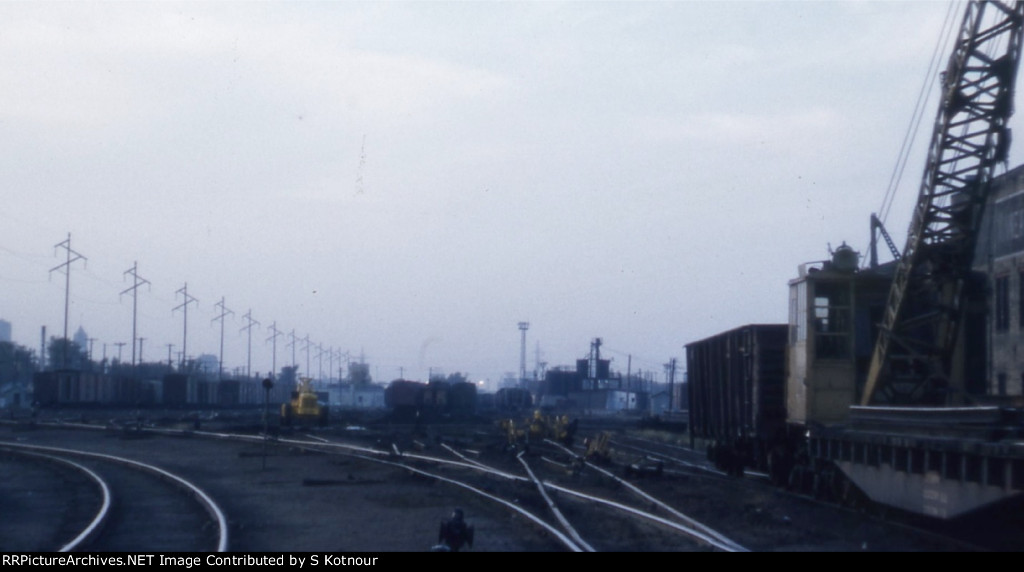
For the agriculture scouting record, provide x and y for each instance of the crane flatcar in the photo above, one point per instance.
(782, 399)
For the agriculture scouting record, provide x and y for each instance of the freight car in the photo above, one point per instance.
(737, 388)
(513, 400)
(404, 399)
(70, 388)
(462, 400)
(437, 400)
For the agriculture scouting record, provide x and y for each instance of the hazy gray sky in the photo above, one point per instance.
(413, 179)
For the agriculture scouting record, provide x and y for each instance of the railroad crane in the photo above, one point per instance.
(915, 358)
(823, 404)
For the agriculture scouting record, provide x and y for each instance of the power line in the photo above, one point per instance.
(184, 306)
(248, 327)
(224, 312)
(306, 349)
(292, 345)
(273, 336)
(134, 289)
(72, 256)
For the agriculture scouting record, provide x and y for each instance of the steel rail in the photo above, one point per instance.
(686, 519)
(566, 525)
(204, 499)
(102, 513)
(690, 527)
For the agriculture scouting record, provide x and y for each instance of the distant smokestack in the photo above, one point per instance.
(523, 326)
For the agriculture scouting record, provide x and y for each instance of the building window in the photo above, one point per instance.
(832, 320)
(1020, 299)
(1002, 303)
(798, 312)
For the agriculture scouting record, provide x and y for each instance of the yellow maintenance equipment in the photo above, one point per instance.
(513, 434)
(305, 407)
(598, 448)
(555, 427)
(538, 428)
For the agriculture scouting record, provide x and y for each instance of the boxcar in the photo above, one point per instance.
(737, 392)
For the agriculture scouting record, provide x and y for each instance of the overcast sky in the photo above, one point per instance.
(411, 180)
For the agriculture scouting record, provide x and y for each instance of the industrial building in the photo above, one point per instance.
(1000, 257)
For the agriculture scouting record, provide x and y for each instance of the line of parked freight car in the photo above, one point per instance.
(406, 400)
(75, 388)
(439, 400)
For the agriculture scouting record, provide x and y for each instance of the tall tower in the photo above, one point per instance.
(523, 326)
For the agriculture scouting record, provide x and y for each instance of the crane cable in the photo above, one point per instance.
(941, 47)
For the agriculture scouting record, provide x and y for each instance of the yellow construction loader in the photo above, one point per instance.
(305, 407)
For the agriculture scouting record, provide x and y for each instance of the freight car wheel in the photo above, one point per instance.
(800, 479)
(828, 485)
(850, 496)
(780, 465)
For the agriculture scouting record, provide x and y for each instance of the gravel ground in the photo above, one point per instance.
(295, 501)
(291, 500)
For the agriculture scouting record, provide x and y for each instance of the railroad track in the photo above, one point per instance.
(690, 461)
(114, 504)
(311, 493)
(587, 518)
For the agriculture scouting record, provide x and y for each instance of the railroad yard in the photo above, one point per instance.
(386, 488)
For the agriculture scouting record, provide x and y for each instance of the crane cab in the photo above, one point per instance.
(833, 309)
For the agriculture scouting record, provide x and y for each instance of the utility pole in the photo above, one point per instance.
(629, 372)
(120, 346)
(292, 344)
(141, 339)
(224, 312)
(71, 256)
(523, 326)
(43, 357)
(670, 372)
(538, 368)
(320, 361)
(184, 307)
(346, 358)
(306, 349)
(134, 289)
(273, 337)
(170, 363)
(248, 328)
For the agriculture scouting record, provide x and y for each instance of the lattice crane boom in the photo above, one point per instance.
(913, 355)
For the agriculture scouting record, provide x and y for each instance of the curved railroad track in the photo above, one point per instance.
(588, 516)
(116, 504)
(387, 490)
